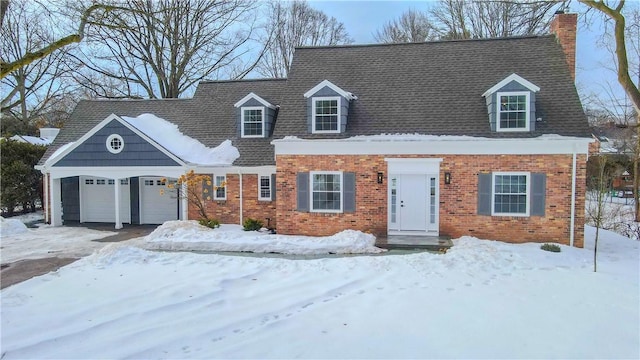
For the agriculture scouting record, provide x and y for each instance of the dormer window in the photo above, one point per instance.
(513, 111)
(255, 116)
(326, 114)
(327, 108)
(252, 121)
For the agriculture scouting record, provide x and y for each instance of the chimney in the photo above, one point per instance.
(564, 26)
(49, 133)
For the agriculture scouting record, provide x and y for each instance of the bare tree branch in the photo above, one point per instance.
(412, 26)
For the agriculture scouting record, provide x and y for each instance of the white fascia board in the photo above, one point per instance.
(513, 77)
(560, 145)
(256, 97)
(113, 172)
(52, 161)
(329, 84)
(263, 170)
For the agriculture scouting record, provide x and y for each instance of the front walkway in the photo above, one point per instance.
(413, 242)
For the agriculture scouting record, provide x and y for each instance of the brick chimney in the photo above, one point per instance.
(564, 26)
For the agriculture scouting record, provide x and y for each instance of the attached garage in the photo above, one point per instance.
(97, 200)
(158, 202)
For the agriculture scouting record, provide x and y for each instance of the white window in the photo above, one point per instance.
(100, 182)
(510, 194)
(252, 121)
(88, 181)
(513, 111)
(115, 143)
(148, 182)
(220, 192)
(264, 187)
(124, 181)
(326, 114)
(326, 191)
(111, 182)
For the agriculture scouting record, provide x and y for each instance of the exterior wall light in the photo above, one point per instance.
(447, 178)
(380, 177)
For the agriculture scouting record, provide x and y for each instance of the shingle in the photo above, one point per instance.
(433, 88)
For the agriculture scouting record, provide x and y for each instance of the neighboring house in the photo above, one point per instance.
(615, 138)
(476, 137)
(47, 135)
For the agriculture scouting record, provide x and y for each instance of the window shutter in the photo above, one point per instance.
(273, 187)
(484, 194)
(349, 192)
(310, 115)
(538, 190)
(302, 185)
(207, 188)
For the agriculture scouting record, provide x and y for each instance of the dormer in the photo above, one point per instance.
(511, 105)
(255, 116)
(327, 108)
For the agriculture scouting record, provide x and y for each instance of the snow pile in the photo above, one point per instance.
(189, 149)
(189, 235)
(11, 227)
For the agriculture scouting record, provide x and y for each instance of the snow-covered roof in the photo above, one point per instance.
(32, 140)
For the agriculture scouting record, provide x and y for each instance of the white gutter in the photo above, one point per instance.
(573, 201)
(240, 175)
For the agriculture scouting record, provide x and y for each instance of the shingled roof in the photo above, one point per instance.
(209, 117)
(434, 87)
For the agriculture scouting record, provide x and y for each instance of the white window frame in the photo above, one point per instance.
(528, 193)
(215, 191)
(111, 138)
(527, 95)
(313, 114)
(311, 176)
(242, 110)
(260, 197)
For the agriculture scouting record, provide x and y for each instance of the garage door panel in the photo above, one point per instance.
(98, 203)
(158, 203)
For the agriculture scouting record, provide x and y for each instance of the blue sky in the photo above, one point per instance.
(363, 18)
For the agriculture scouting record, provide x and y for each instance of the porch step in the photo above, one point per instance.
(412, 242)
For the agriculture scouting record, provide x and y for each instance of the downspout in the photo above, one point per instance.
(573, 199)
(241, 189)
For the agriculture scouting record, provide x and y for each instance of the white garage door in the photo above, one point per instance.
(158, 203)
(98, 200)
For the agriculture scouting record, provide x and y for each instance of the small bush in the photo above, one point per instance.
(210, 223)
(550, 247)
(252, 225)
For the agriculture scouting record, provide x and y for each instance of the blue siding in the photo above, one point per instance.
(136, 152)
(134, 193)
(344, 108)
(492, 106)
(70, 194)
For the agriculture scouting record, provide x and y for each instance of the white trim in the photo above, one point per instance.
(262, 112)
(110, 148)
(326, 83)
(527, 111)
(401, 166)
(311, 174)
(56, 202)
(255, 97)
(241, 198)
(513, 77)
(313, 114)
(46, 207)
(50, 162)
(111, 172)
(479, 146)
(215, 191)
(528, 192)
(260, 197)
(573, 201)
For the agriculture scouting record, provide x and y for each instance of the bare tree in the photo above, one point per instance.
(471, 19)
(294, 24)
(35, 89)
(411, 26)
(161, 49)
(615, 15)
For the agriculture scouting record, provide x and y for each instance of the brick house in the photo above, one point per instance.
(476, 137)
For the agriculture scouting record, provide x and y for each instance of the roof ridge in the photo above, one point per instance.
(241, 80)
(423, 43)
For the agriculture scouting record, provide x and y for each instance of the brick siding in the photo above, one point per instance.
(458, 200)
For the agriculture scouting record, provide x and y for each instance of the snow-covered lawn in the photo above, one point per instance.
(482, 299)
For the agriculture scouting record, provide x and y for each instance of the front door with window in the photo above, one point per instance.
(413, 204)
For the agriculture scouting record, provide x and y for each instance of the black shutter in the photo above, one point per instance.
(484, 194)
(349, 192)
(538, 193)
(302, 186)
(273, 187)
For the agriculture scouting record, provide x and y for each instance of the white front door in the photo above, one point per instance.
(413, 203)
(158, 203)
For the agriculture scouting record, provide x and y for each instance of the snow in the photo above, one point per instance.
(427, 137)
(482, 299)
(58, 152)
(11, 227)
(189, 235)
(32, 140)
(47, 241)
(189, 149)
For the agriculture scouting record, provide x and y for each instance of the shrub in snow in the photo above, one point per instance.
(550, 247)
(211, 223)
(252, 224)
